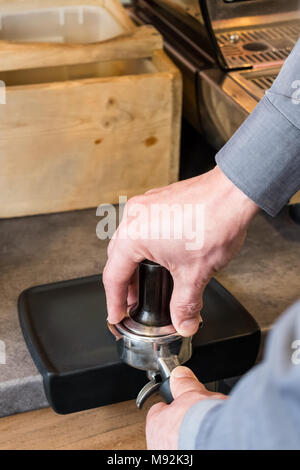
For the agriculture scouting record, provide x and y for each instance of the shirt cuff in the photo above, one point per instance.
(191, 424)
(263, 157)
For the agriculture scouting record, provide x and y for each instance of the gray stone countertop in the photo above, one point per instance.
(264, 277)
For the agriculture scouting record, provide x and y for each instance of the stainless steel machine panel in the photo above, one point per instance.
(243, 32)
(246, 43)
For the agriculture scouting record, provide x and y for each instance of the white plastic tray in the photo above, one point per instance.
(72, 24)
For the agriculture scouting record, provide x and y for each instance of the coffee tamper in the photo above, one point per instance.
(146, 339)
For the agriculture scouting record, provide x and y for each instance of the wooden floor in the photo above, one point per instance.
(119, 426)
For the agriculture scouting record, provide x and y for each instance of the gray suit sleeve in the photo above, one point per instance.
(263, 411)
(263, 157)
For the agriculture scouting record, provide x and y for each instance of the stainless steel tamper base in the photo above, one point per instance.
(156, 350)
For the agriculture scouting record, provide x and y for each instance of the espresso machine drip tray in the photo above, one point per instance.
(256, 81)
(265, 44)
(65, 329)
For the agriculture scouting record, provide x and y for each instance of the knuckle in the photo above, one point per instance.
(200, 281)
(188, 309)
(120, 234)
(106, 277)
(109, 248)
(134, 200)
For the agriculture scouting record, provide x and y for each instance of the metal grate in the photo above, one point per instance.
(263, 82)
(256, 81)
(265, 44)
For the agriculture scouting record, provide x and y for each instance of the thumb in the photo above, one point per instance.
(185, 305)
(183, 380)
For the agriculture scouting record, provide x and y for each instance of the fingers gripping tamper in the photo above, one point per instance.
(147, 339)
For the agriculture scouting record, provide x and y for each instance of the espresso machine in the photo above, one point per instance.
(229, 53)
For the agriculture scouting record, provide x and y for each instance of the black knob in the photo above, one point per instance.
(165, 391)
(155, 290)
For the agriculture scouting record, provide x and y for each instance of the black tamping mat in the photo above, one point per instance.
(64, 326)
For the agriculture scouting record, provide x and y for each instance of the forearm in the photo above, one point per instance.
(263, 410)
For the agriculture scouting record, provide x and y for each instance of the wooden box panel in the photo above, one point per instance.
(112, 129)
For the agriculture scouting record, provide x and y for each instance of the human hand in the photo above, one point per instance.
(227, 213)
(164, 421)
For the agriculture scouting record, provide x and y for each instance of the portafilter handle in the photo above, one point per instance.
(166, 365)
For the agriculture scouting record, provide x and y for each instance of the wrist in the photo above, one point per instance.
(190, 430)
(236, 199)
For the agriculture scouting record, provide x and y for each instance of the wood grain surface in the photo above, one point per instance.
(103, 124)
(119, 427)
(139, 43)
(82, 143)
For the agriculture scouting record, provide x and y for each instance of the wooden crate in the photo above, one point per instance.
(85, 123)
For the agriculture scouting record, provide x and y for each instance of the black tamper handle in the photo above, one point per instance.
(155, 290)
(165, 391)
